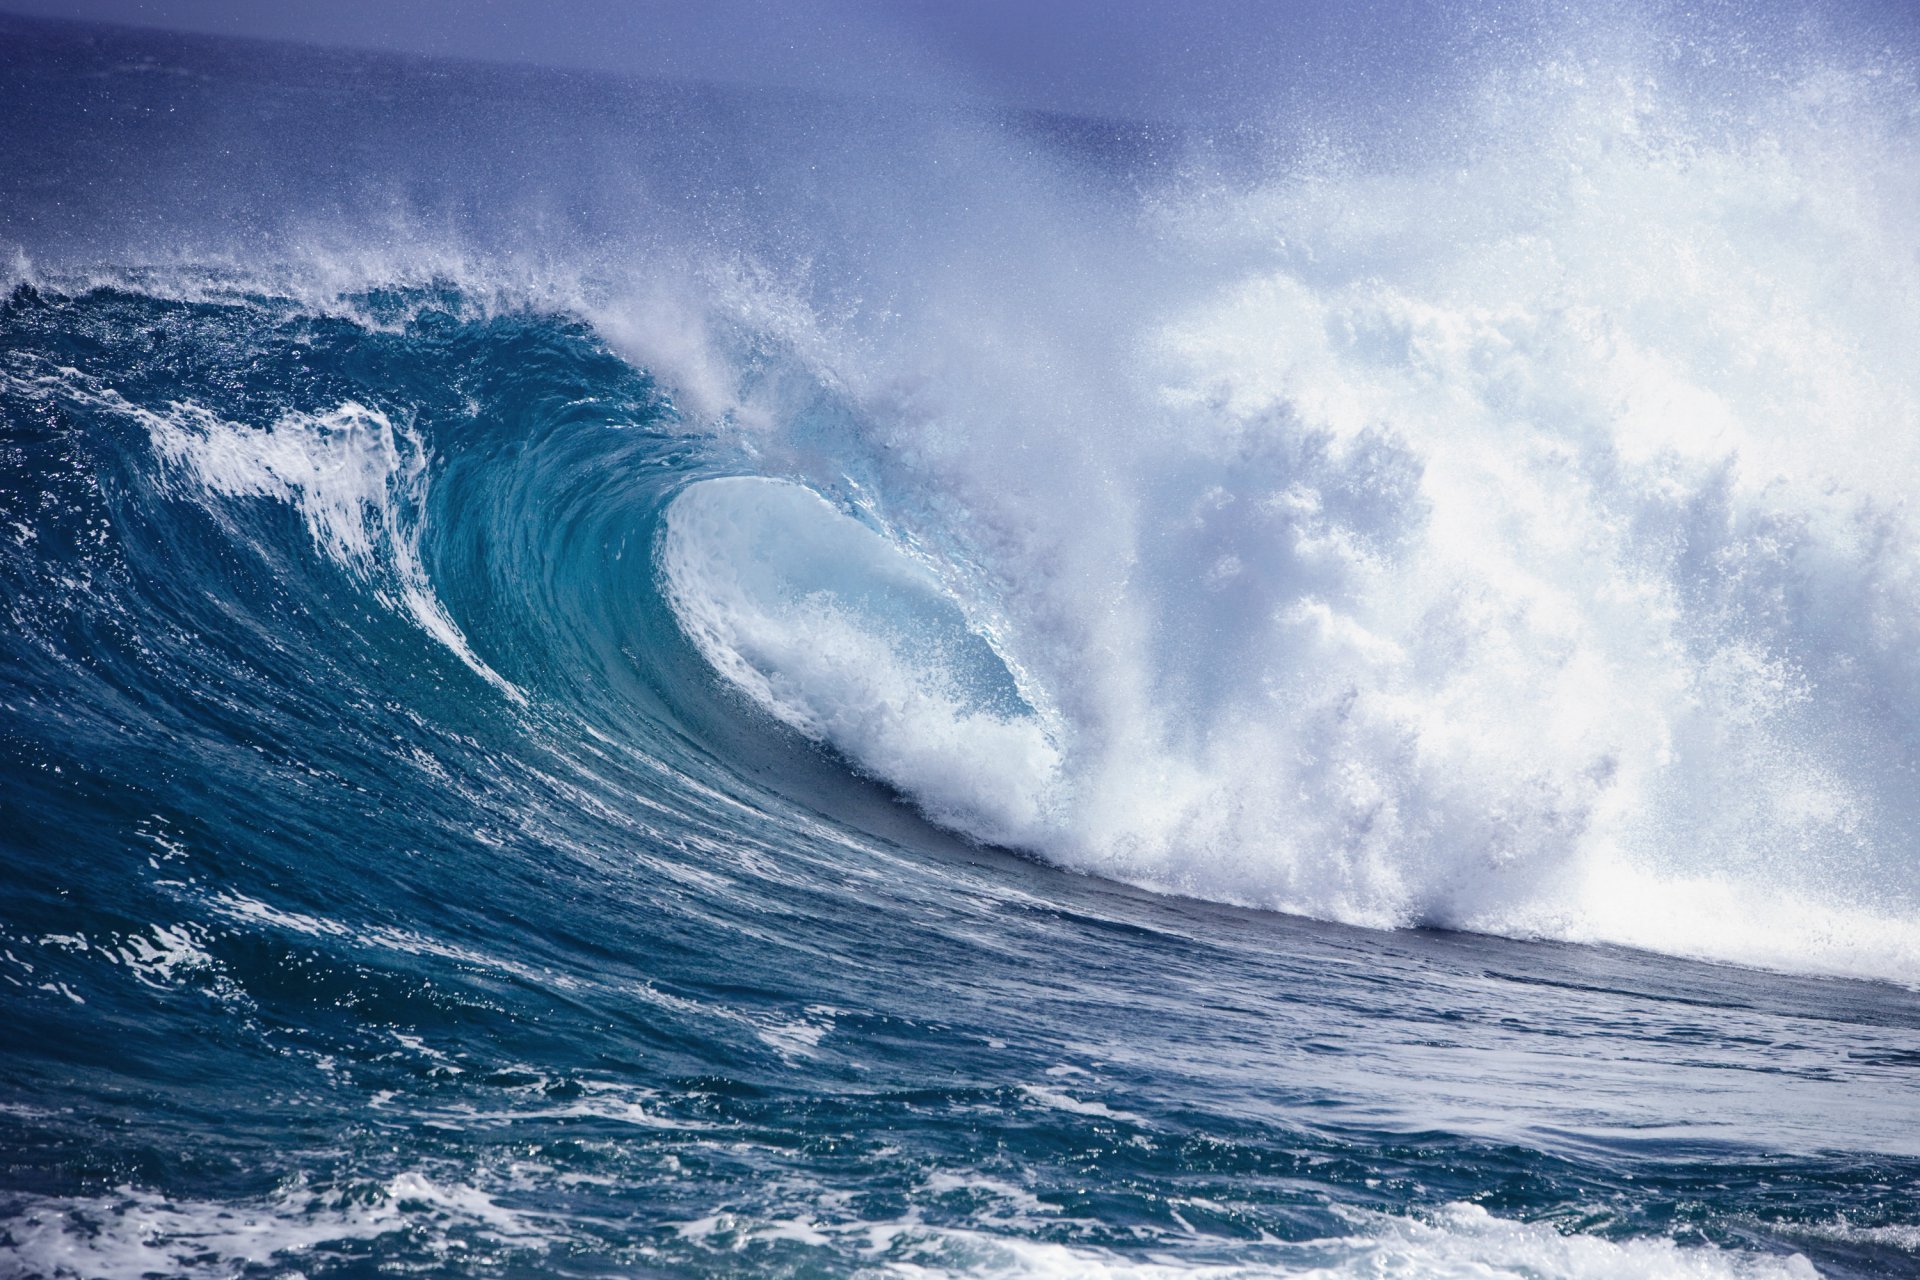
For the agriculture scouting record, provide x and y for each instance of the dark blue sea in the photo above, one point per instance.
(609, 677)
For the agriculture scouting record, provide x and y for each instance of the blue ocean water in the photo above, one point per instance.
(665, 680)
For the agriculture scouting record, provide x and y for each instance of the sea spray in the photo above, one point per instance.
(1511, 538)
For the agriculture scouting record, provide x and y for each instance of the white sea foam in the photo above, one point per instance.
(1455, 1242)
(1513, 538)
(134, 1233)
(844, 637)
(357, 480)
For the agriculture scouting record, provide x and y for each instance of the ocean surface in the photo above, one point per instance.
(631, 678)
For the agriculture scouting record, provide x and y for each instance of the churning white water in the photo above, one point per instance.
(1503, 528)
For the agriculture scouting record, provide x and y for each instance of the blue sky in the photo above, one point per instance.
(1130, 59)
(1184, 60)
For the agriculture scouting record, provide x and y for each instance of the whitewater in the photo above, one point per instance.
(665, 678)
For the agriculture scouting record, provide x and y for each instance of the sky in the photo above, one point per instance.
(1116, 58)
(1200, 61)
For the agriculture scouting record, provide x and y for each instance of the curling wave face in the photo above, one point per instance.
(842, 636)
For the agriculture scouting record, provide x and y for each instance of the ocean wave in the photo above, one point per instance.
(926, 696)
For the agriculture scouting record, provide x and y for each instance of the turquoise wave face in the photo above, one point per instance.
(393, 881)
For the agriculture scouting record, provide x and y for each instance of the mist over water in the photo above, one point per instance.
(899, 668)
